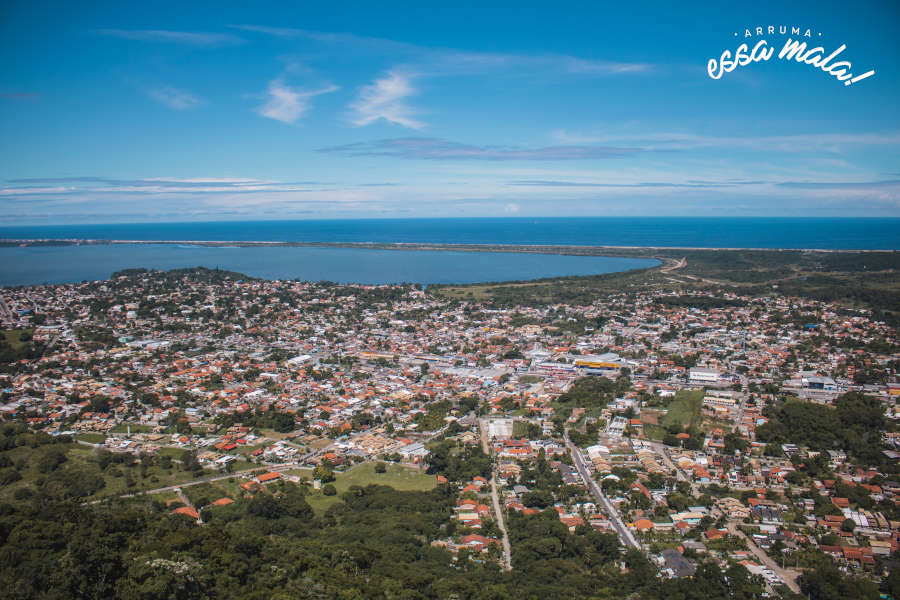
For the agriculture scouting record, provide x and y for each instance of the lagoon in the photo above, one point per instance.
(35, 265)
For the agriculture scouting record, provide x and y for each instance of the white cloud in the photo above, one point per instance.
(437, 60)
(689, 141)
(174, 98)
(287, 104)
(511, 208)
(384, 99)
(192, 38)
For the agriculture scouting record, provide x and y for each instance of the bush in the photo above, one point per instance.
(8, 476)
(380, 467)
(329, 490)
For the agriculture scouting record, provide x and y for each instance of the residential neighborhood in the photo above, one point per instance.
(759, 432)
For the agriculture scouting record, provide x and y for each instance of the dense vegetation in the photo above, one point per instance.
(854, 424)
(592, 392)
(866, 279)
(18, 344)
(701, 302)
(200, 274)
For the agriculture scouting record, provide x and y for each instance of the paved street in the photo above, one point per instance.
(507, 549)
(624, 534)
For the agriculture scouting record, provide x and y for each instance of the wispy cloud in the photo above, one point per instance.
(287, 104)
(436, 60)
(840, 185)
(174, 98)
(385, 99)
(439, 149)
(640, 184)
(689, 141)
(192, 38)
(92, 185)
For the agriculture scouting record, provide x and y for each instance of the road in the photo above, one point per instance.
(788, 576)
(662, 451)
(679, 264)
(210, 478)
(625, 535)
(495, 498)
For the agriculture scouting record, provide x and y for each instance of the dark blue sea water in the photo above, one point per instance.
(859, 234)
(34, 265)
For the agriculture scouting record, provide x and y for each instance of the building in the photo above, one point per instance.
(700, 375)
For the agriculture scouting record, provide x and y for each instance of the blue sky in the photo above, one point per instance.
(159, 111)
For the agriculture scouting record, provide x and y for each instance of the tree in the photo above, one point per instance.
(380, 467)
(323, 474)
(825, 582)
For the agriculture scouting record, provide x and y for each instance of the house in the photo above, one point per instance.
(267, 477)
(643, 524)
(187, 511)
(676, 564)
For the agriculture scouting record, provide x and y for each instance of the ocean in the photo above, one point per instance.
(823, 233)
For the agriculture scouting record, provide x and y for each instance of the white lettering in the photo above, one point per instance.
(726, 64)
(858, 77)
(793, 50)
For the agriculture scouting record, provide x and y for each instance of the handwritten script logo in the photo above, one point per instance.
(793, 49)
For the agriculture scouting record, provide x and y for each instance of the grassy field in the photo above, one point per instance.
(654, 432)
(205, 493)
(91, 438)
(171, 452)
(13, 337)
(397, 476)
(684, 410)
(135, 428)
(79, 457)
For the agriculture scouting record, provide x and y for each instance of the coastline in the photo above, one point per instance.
(526, 248)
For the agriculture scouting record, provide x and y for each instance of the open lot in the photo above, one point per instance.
(684, 410)
(399, 477)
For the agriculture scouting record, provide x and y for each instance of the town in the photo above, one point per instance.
(754, 434)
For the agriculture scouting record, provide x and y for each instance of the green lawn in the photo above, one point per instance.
(13, 337)
(684, 409)
(80, 457)
(397, 476)
(135, 428)
(301, 472)
(243, 465)
(320, 502)
(91, 438)
(205, 493)
(171, 452)
(654, 432)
